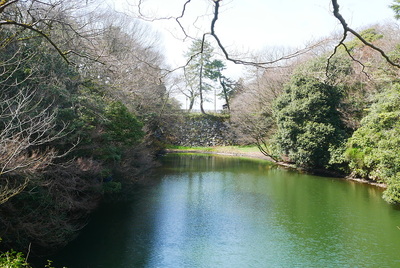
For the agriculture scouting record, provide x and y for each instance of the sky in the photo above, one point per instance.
(245, 25)
(248, 26)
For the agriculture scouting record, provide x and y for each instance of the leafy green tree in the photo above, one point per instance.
(122, 126)
(396, 8)
(309, 127)
(373, 150)
(227, 84)
(201, 71)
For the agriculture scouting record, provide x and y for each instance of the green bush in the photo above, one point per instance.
(309, 125)
(13, 259)
(122, 126)
(374, 149)
(392, 192)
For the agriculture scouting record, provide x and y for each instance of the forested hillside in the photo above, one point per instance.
(79, 102)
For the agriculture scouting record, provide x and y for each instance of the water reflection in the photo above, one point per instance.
(208, 211)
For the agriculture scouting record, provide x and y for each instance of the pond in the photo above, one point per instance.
(214, 211)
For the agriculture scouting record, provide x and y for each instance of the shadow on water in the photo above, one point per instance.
(121, 232)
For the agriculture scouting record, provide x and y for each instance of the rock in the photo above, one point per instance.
(201, 130)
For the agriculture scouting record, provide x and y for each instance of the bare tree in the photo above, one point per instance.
(63, 24)
(189, 90)
(252, 106)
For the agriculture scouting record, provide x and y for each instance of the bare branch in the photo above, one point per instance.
(177, 19)
(40, 32)
(263, 147)
(263, 64)
(5, 3)
(347, 29)
(341, 43)
(22, 130)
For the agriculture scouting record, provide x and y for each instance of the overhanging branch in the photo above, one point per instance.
(347, 29)
(244, 62)
(41, 33)
(177, 19)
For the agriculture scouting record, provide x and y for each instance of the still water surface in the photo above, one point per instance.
(212, 211)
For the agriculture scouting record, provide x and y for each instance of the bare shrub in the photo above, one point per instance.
(66, 194)
(22, 130)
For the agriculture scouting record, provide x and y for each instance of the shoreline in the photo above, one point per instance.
(259, 155)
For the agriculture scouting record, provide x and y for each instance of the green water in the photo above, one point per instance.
(212, 211)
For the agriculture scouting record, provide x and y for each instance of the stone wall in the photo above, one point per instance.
(201, 130)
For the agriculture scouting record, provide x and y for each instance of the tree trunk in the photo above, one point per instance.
(201, 85)
(225, 93)
(191, 103)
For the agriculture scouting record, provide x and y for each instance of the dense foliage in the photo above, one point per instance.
(374, 149)
(309, 126)
(60, 148)
(75, 127)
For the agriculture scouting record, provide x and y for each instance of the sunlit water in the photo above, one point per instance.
(212, 211)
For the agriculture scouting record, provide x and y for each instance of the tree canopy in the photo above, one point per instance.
(202, 71)
(308, 123)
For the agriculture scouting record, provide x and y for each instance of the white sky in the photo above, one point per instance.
(255, 24)
(251, 25)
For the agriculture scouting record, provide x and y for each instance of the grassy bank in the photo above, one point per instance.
(244, 151)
